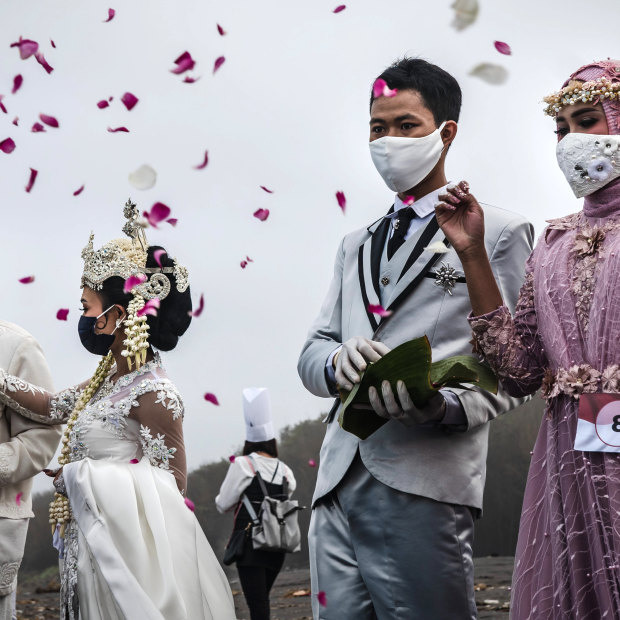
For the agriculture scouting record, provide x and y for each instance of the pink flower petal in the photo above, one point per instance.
(322, 598)
(130, 100)
(2, 106)
(26, 47)
(41, 60)
(409, 200)
(18, 498)
(53, 44)
(244, 264)
(312, 463)
(157, 254)
(49, 120)
(62, 314)
(218, 63)
(111, 14)
(31, 179)
(232, 458)
(249, 259)
(116, 129)
(16, 121)
(183, 63)
(269, 191)
(77, 192)
(502, 48)
(261, 214)
(102, 104)
(158, 213)
(221, 30)
(7, 145)
(37, 128)
(340, 8)
(27, 280)
(201, 307)
(381, 89)
(173, 221)
(190, 80)
(134, 461)
(204, 163)
(18, 80)
(150, 307)
(132, 281)
(190, 504)
(212, 398)
(380, 310)
(342, 201)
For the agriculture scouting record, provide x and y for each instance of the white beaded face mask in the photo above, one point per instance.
(589, 161)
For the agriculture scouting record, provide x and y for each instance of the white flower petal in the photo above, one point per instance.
(438, 248)
(143, 178)
(465, 13)
(490, 73)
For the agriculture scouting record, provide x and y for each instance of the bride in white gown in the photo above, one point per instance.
(131, 548)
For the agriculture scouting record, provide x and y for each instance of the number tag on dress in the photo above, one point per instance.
(598, 425)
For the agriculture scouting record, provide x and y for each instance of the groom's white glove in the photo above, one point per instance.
(403, 409)
(352, 359)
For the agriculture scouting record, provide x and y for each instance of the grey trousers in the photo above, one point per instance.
(378, 553)
(12, 541)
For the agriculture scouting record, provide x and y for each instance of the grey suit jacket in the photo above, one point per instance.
(448, 467)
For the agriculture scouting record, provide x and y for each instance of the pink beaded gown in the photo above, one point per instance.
(565, 338)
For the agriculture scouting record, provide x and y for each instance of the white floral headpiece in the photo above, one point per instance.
(582, 92)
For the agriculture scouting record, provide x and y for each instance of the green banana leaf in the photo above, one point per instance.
(412, 363)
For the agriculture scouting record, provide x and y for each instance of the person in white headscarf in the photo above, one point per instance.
(257, 569)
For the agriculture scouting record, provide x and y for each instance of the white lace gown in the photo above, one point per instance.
(134, 550)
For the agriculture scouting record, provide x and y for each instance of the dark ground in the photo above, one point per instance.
(492, 593)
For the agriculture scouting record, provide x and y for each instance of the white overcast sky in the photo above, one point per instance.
(288, 110)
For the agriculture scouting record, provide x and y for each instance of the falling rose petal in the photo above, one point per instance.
(490, 73)
(379, 310)
(322, 598)
(111, 14)
(41, 60)
(409, 200)
(218, 63)
(7, 145)
(26, 47)
(261, 214)
(32, 179)
(62, 314)
(158, 213)
(157, 254)
(204, 163)
(212, 398)
(132, 281)
(340, 8)
(190, 80)
(37, 128)
(116, 129)
(438, 248)
(198, 311)
(232, 458)
(465, 13)
(53, 44)
(221, 30)
(244, 264)
(173, 221)
(150, 307)
(18, 498)
(2, 106)
(49, 120)
(269, 191)
(129, 100)
(183, 63)
(134, 461)
(102, 104)
(190, 504)
(249, 259)
(143, 178)
(18, 80)
(16, 121)
(381, 89)
(342, 201)
(27, 280)
(502, 48)
(311, 463)
(77, 192)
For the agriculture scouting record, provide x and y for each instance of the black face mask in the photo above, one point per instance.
(98, 344)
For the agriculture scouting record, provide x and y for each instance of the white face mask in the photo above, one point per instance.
(405, 162)
(588, 161)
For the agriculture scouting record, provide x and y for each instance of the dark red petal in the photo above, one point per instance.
(129, 100)
(173, 221)
(218, 63)
(249, 259)
(27, 280)
(37, 127)
(221, 30)
(41, 60)
(269, 191)
(2, 107)
(183, 63)
(244, 264)
(190, 504)
(7, 145)
(502, 48)
(62, 314)
(27, 47)
(18, 498)
(322, 598)
(49, 120)
(134, 461)
(53, 44)
(204, 163)
(211, 398)
(16, 121)
(261, 214)
(198, 311)
(116, 129)
(111, 14)
(102, 104)
(232, 458)
(342, 201)
(18, 80)
(340, 8)
(31, 179)
(77, 192)
(159, 212)
(190, 80)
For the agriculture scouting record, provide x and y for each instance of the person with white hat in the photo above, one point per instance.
(257, 569)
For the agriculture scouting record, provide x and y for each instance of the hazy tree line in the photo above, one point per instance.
(511, 440)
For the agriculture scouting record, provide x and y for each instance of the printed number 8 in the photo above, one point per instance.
(616, 425)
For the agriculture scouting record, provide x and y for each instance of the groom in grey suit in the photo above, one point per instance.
(392, 522)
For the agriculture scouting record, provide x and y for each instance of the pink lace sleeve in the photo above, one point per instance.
(511, 345)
